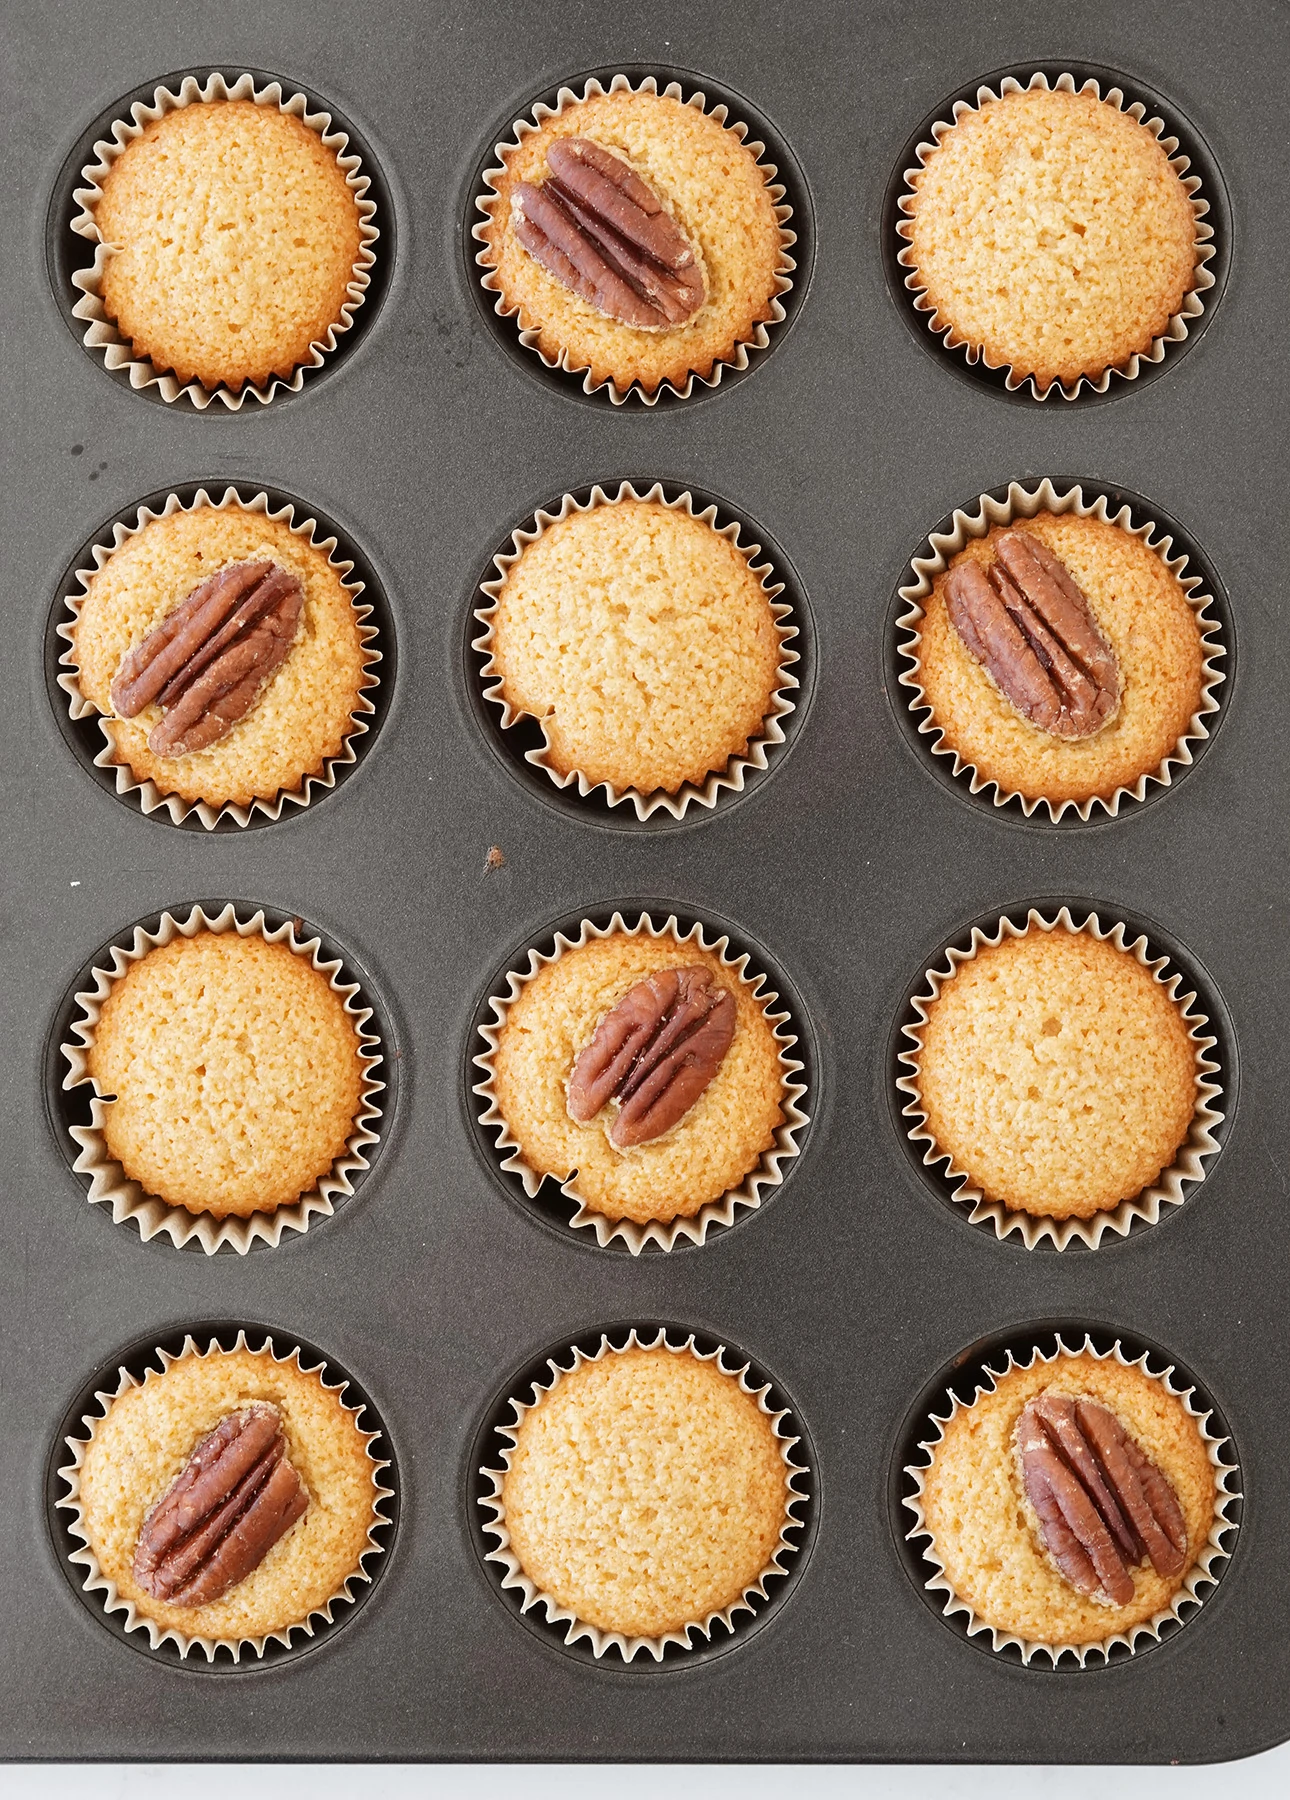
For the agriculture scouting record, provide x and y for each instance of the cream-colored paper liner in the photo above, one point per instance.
(769, 1172)
(1167, 1190)
(628, 1648)
(109, 1184)
(97, 1583)
(1021, 503)
(731, 779)
(743, 352)
(1202, 1574)
(1193, 304)
(146, 794)
(101, 332)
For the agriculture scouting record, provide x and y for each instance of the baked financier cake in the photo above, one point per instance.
(1056, 1073)
(1060, 658)
(275, 661)
(235, 1071)
(641, 1071)
(1071, 1502)
(1050, 233)
(644, 642)
(646, 1491)
(234, 236)
(230, 1495)
(637, 237)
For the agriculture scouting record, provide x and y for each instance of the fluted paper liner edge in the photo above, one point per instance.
(716, 1214)
(1022, 503)
(733, 778)
(1202, 1573)
(146, 794)
(513, 1576)
(97, 1583)
(101, 332)
(1176, 330)
(129, 1201)
(1147, 1206)
(742, 354)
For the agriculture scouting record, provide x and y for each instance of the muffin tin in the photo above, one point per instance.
(849, 866)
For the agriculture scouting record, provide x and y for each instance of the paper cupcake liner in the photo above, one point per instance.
(578, 1630)
(769, 1172)
(129, 1201)
(1024, 503)
(105, 1590)
(731, 779)
(146, 794)
(1169, 1187)
(743, 352)
(1188, 1597)
(100, 330)
(1193, 304)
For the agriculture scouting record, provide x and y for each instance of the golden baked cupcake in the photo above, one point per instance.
(1048, 232)
(234, 238)
(1060, 659)
(228, 1497)
(224, 653)
(644, 642)
(1074, 1501)
(637, 238)
(646, 1491)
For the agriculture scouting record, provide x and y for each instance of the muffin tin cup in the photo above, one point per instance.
(146, 794)
(1146, 1207)
(512, 1577)
(740, 357)
(1022, 502)
(716, 1214)
(130, 1202)
(1204, 1574)
(102, 1593)
(1179, 325)
(100, 330)
(730, 780)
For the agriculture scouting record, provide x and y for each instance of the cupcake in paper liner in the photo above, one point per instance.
(268, 283)
(225, 650)
(232, 1068)
(650, 645)
(647, 1495)
(638, 240)
(1063, 1080)
(1056, 234)
(227, 1500)
(1061, 655)
(644, 1070)
(1076, 1504)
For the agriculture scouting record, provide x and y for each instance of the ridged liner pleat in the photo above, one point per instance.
(1193, 304)
(146, 794)
(109, 1184)
(717, 1213)
(101, 332)
(96, 1582)
(1167, 1190)
(1024, 503)
(731, 779)
(578, 1629)
(744, 351)
(1188, 1597)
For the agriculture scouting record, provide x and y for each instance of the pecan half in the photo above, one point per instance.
(223, 1513)
(1103, 1506)
(209, 660)
(1030, 627)
(654, 1053)
(605, 234)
